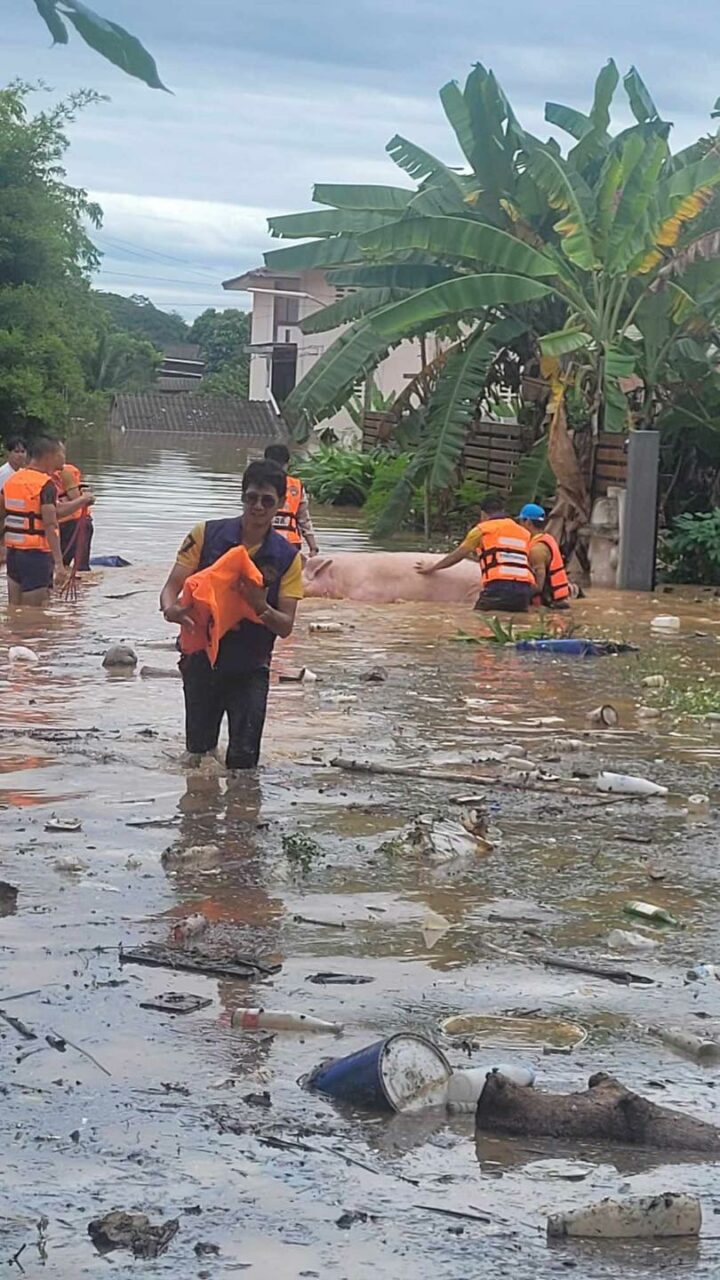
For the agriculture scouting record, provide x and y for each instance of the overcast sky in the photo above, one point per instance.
(270, 97)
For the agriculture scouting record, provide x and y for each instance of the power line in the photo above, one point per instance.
(125, 275)
(137, 251)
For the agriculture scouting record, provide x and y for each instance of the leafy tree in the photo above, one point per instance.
(108, 39)
(120, 362)
(46, 321)
(222, 337)
(597, 241)
(139, 316)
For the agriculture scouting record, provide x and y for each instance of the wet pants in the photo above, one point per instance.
(210, 695)
(504, 597)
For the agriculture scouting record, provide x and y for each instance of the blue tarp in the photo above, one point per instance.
(109, 562)
(575, 648)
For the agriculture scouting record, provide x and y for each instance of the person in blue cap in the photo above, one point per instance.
(546, 560)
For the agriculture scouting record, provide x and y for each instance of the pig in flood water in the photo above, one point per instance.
(387, 577)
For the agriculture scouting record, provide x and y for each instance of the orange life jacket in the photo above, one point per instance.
(286, 520)
(76, 482)
(215, 603)
(504, 551)
(557, 578)
(24, 527)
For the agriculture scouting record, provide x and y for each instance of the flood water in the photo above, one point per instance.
(171, 1132)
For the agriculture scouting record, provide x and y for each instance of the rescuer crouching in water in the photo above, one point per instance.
(503, 549)
(546, 561)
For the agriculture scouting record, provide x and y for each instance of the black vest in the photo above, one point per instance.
(249, 645)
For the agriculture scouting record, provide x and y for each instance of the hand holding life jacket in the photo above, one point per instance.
(215, 603)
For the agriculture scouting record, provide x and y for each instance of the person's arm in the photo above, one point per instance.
(48, 513)
(3, 553)
(170, 607)
(454, 557)
(70, 505)
(305, 524)
(539, 561)
(280, 620)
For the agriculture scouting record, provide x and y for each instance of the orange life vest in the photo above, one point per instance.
(24, 527)
(76, 482)
(557, 574)
(286, 520)
(215, 603)
(504, 551)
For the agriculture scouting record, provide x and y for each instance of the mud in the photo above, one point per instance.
(174, 1132)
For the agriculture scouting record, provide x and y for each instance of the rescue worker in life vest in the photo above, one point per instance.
(503, 549)
(237, 686)
(75, 539)
(28, 514)
(546, 561)
(293, 520)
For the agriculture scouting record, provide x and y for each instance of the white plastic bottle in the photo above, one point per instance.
(627, 784)
(280, 1020)
(464, 1087)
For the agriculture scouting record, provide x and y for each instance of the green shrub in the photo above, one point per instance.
(347, 477)
(691, 549)
(389, 471)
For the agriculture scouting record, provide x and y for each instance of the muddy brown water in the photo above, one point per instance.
(77, 741)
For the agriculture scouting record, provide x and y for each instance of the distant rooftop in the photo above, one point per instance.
(190, 413)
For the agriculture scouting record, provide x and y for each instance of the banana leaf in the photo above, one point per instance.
(402, 275)
(456, 110)
(564, 341)
(641, 104)
(567, 191)
(568, 119)
(420, 164)
(616, 364)
(473, 242)
(465, 296)
(316, 253)
(352, 307)
(326, 222)
(327, 385)
(375, 199)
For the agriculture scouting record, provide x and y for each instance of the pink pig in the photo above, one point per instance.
(387, 577)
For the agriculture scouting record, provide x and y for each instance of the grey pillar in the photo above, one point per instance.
(636, 568)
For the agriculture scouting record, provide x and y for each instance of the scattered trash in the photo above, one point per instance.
(376, 675)
(628, 785)
(699, 804)
(291, 675)
(8, 898)
(109, 562)
(258, 1099)
(309, 677)
(350, 1217)
(449, 839)
(203, 1249)
(22, 1029)
(133, 1231)
(604, 715)
(693, 1046)
(152, 822)
(636, 1218)
(120, 655)
(192, 926)
(575, 647)
(648, 911)
(625, 940)
(339, 979)
(71, 825)
(227, 966)
(434, 927)
(323, 924)
(516, 1030)
(281, 1020)
(655, 873)
(464, 1087)
(606, 1112)
(20, 653)
(196, 855)
(326, 628)
(665, 622)
(610, 972)
(654, 682)
(301, 850)
(701, 972)
(406, 1072)
(150, 673)
(649, 713)
(70, 863)
(176, 1002)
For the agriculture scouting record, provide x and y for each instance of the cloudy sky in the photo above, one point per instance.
(270, 97)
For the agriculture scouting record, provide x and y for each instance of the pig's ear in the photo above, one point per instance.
(315, 566)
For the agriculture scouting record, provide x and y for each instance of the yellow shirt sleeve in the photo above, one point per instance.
(189, 554)
(472, 540)
(291, 583)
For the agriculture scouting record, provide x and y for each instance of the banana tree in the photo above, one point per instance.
(597, 232)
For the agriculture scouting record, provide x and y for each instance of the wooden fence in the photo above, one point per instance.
(610, 462)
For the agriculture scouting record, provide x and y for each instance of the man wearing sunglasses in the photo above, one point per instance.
(237, 686)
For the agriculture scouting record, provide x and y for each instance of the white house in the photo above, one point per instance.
(281, 354)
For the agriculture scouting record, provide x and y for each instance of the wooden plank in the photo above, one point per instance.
(512, 430)
(499, 455)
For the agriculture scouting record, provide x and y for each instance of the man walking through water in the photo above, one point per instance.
(28, 516)
(237, 686)
(503, 549)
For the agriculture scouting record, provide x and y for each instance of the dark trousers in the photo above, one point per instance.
(212, 694)
(75, 542)
(504, 597)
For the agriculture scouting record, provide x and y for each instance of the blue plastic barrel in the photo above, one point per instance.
(403, 1072)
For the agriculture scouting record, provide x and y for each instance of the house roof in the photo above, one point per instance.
(182, 351)
(258, 276)
(193, 414)
(176, 382)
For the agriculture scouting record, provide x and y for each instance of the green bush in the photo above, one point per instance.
(389, 471)
(346, 477)
(691, 549)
